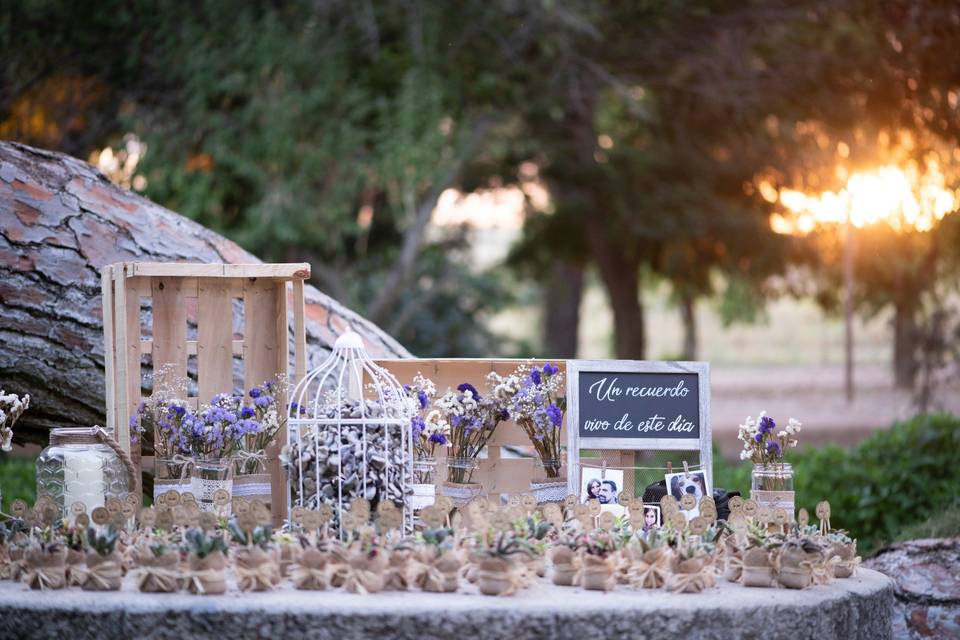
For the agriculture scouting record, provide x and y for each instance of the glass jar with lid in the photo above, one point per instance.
(83, 465)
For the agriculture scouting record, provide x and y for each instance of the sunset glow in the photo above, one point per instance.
(904, 199)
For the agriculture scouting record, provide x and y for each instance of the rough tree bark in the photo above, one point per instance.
(561, 312)
(905, 344)
(688, 313)
(621, 276)
(61, 220)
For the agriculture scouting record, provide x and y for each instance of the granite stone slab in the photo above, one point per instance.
(851, 609)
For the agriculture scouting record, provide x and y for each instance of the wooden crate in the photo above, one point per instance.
(184, 295)
(498, 474)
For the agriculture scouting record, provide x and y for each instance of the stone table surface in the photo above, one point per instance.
(859, 607)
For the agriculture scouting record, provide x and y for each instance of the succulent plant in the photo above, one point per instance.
(260, 536)
(202, 544)
(103, 542)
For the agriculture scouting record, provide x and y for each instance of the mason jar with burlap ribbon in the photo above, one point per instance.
(771, 485)
(84, 465)
(251, 479)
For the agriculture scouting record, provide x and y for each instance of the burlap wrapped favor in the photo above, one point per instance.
(287, 555)
(757, 568)
(847, 560)
(472, 567)
(438, 572)
(398, 574)
(794, 567)
(691, 576)
(651, 569)
(732, 559)
(104, 573)
(311, 572)
(498, 576)
(596, 573)
(45, 568)
(365, 571)
(566, 565)
(76, 568)
(256, 569)
(158, 574)
(208, 575)
(623, 562)
(17, 563)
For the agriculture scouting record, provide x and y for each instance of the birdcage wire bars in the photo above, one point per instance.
(346, 403)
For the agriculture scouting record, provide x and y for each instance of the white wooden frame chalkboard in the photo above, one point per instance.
(703, 443)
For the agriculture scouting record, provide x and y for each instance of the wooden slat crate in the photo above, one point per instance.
(183, 295)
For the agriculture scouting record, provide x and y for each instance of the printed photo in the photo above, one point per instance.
(651, 517)
(604, 485)
(693, 483)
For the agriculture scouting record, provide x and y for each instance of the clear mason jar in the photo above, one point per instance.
(81, 465)
(460, 470)
(771, 485)
(423, 469)
(212, 474)
(551, 470)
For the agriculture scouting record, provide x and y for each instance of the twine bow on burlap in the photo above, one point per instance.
(650, 571)
(364, 573)
(158, 579)
(44, 578)
(596, 573)
(691, 576)
(256, 575)
(311, 571)
(103, 576)
(499, 577)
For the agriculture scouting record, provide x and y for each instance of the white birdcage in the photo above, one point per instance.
(349, 435)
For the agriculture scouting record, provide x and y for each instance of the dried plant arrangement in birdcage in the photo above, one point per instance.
(349, 435)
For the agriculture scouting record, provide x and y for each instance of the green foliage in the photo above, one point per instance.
(879, 489)
(260, 536)
(941, 524)
(103, 542)
(17, 480)
(202, 544)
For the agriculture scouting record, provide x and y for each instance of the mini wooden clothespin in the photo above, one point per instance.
(669, 467)
(603, 469)
(686, 469)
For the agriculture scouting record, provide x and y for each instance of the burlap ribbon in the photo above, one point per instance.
(158, 579)
(104, 573)
(757, 570)
(311, 572)
(45, 569)
(364, 573)
(207, 575)
(596, 573)
(437, 573)
(691, 576)
(732, 566)
(650, 571)
(566, 566)
(498, 577)
(256, 570)
(76, 568)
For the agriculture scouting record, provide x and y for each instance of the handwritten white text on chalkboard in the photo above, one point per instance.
(608, 390)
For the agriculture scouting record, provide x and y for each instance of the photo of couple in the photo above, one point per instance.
(605, 491)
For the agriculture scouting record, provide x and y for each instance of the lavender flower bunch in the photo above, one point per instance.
(536, 399)
(762, 443)
(218, 429)
(472, 419)
(264, 410)
(427, 426)
(12, 407)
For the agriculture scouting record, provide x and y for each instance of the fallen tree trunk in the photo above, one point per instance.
(61, 220)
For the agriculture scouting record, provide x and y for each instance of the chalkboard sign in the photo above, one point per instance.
(637, 405)
(619, 404)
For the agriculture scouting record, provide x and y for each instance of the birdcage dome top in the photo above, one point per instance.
(349, 388)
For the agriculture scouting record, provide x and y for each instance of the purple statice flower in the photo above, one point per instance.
(422, 398)
(774, 448)
(767, 424)
(417, 425)
(134, 422)
(466, 386)
(758, 437)
(456, 420)
(247, 413)
(255, 392)
(502, 415)
(535, 376)
(550, 370)
(269, 385)
(263, 401)
(555, 415)
(438, 438)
